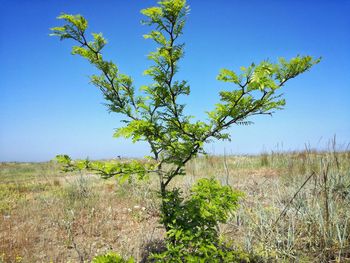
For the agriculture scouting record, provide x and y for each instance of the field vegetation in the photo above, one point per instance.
(296, 208)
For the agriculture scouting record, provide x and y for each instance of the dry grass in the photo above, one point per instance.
(73, 219)
(47, 216)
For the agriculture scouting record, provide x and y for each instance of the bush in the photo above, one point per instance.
(192, 227)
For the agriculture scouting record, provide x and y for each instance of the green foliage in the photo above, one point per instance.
(192, 224)
(210, 204)
(155, 116)
(111, 258)
(120, 170)
(256, 93)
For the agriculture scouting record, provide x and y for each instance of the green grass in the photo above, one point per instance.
(17, 172)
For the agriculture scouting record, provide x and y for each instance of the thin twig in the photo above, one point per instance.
(292, 199)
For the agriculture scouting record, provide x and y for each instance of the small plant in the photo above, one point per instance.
(193, 224)
(79, 193)
(154, 115)
(264, 160)
(111, 258)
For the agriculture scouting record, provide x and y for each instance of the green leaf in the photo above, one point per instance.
(228, 76)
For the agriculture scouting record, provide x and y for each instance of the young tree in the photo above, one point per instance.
(154, 114)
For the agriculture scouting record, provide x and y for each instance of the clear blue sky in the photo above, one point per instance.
(47, 106)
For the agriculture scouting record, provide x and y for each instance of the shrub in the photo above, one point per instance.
(155, 116)
(192, 224)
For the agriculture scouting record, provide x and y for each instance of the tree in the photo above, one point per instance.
(154, 115)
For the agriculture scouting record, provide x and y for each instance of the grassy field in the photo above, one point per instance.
(296, 209)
